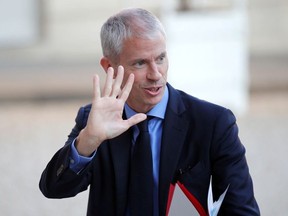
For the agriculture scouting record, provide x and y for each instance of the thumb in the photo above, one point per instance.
(135, 119)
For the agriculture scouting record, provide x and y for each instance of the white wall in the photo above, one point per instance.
(209, 56)
(18, 22)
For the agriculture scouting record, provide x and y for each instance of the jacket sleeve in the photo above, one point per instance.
(229, 167)
(58, 180)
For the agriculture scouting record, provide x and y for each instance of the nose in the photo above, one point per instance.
(154, 72)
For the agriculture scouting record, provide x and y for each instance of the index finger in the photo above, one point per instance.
(127, 88)
(96, 87)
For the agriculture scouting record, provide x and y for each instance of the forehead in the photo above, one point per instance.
(136, 47)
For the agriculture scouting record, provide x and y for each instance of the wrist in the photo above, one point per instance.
(85, 144)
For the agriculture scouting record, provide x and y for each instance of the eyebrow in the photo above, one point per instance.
(144, 59)
(162, 54)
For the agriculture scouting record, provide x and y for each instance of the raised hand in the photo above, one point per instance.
(105, 118)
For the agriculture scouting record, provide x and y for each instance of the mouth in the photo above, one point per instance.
(153, 90)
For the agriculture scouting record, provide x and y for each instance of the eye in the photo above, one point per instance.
(139, 64)
(160, 59)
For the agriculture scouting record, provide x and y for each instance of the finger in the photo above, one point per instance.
(118, 81)
(127, 88)
(135, 119)
(96, 87)
(108, 83)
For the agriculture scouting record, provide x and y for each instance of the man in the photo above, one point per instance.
(191, 140)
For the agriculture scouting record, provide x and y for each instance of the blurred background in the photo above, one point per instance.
(230, 52)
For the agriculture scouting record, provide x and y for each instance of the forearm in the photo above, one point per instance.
(58, 180)
(230, 168)
(77, 161)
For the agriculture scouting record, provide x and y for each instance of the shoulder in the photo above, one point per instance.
(82, 115)
(196, 107)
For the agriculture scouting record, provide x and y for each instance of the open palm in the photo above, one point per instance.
(105, 119)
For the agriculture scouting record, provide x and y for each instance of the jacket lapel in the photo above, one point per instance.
(120, 153)
(174, 132)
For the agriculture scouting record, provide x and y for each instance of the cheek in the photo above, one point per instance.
(135, 88)
(134, 96)
(164, 71)
(125, 78)
(139, 77)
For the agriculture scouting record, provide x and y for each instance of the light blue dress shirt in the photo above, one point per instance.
(78, 162)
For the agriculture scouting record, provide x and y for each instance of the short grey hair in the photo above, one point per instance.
(133, 22)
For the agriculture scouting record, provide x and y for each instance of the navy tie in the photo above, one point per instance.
(141, 174)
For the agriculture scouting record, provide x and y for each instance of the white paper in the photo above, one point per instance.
(214, 207)
(181, 205)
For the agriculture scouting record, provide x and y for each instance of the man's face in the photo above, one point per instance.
(147, 60)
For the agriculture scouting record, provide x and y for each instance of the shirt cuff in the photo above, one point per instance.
(78, 162)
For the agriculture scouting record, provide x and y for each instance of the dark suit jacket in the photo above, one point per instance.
(199, 140)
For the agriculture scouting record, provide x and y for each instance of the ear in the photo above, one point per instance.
(105, 63)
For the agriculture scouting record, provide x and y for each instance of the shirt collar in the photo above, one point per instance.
(157, 111)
